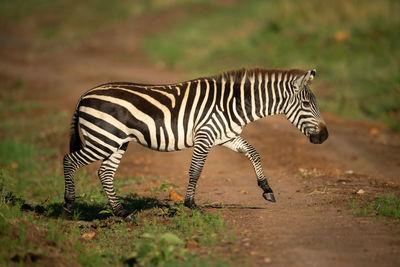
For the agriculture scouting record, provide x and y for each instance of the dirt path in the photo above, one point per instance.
(309, 225)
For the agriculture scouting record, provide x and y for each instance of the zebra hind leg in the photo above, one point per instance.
(72, 162)
(106, 175)
(240, 145)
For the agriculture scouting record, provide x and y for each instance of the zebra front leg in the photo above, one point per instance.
(240, 145)
(106, 175)
(200, 152)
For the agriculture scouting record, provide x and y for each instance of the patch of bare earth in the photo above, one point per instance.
(309, 225)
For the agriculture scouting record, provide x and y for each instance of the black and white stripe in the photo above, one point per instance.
(199, 113)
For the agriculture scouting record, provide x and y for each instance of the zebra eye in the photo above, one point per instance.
(306, 104)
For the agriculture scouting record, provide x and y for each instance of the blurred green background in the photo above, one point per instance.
(354, 45)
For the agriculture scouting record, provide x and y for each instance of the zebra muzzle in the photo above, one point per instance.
(320, 136)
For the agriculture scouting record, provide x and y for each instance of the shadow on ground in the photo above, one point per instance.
(85, 210)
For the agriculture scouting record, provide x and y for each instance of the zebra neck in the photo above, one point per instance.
(257, 95)
(276, 90)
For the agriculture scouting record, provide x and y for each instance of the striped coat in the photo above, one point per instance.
(199, 113)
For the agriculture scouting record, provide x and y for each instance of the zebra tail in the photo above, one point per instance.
(75, 142)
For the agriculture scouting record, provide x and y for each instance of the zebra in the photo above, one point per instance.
(199, 113)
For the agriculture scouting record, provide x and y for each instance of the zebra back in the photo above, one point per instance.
(167, 117)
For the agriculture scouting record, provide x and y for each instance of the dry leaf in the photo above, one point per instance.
(192, 244)
(89, 235)
(374, 131)
(175, 196)
(244, 192)
(14, 165)
(341, 36)
(228, 179)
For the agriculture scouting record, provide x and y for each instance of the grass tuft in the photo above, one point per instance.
(385, 205)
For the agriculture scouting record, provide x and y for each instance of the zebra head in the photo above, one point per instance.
(302, 109)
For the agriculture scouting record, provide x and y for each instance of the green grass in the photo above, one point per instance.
(30, 226)
(383, 206)
(353, 45)
(160, 237)
(20, 156)
(29, 141)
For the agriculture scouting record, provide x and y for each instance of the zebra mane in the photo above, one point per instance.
(237, 75)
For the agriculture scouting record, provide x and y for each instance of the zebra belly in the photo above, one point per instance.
(162, 141)
(161, 148)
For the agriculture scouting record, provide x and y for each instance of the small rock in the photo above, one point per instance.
(349, 172)
(360, 192)
(267, 260)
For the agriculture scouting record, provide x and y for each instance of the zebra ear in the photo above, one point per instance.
(305, 79)
(312, 73)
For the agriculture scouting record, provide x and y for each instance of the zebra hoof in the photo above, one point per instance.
(130, 218)
(189, 202)
(66, 213)
(269, 196)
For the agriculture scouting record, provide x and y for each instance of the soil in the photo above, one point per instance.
(309, 225)
(35, 237)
